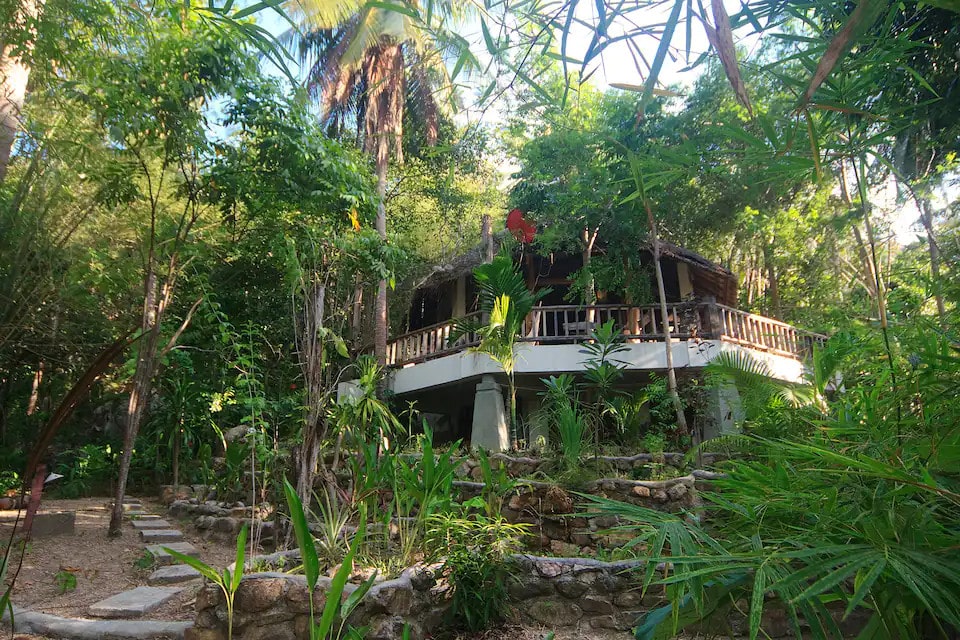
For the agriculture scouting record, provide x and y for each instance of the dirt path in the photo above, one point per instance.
(103, 567)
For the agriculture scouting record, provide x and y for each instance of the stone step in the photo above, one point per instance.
(150, 523)
(134, 514)
(161, 535)
(133, 603)
(164, 559)
(173, 574)
(149, 516)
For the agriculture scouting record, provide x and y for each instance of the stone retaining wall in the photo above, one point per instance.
(561, 521)
(569, 594)
(525, 466)
(223, 521)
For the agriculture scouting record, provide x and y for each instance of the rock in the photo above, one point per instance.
(608, 622)
(570, 588)
(298, 597)
(268, 632)
(259, 594)
(640, 491)
(193, 633)
(582, 537)
(628, 599)
(46, 525)
(150, 523)
(239, 505)
(596, 605)
(226, 525)
(7, 503)
(163, 558)
(557, 500)
(660, 496)
(564, 549)
(520, 589)
(677, 491)
(605, 522)
(133, 603)
(173, 574)
(161, 535)
(554, 614)
(549, 569)
(387, 628)
(204, 522)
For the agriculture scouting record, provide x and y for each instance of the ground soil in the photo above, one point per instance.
(103, 566)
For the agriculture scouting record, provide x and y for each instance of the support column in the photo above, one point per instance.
(727, 411)
(491, 430)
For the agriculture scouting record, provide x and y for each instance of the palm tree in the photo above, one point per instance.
(15, 72)
(363, 62)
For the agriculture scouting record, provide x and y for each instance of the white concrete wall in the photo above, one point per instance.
(553, 359)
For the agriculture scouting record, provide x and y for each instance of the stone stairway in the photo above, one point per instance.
(157, 533)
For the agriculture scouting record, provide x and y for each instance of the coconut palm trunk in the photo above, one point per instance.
(14, 76)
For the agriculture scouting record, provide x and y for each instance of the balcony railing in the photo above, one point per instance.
(571, 324)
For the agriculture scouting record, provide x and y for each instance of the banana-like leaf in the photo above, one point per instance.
(205, 570)
(308, 551)
(238, 565)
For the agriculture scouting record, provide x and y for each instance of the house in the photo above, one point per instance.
(460, 391)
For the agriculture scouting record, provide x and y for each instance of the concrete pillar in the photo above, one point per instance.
(491, 426)
(727, 412)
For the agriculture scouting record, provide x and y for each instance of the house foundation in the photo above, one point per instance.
(491, 427)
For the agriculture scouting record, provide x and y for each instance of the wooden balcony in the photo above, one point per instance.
(571, 324)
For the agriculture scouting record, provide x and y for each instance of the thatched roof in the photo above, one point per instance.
(710, 275)
(464, 264)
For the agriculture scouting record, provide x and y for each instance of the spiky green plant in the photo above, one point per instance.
(506, 301)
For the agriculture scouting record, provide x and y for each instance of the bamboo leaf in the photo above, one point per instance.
(722, 40)
(860, 20)
(662, 50)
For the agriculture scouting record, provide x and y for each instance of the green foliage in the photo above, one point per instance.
(561, 411)
(146, 561)
(475, 547)
(855, 515)
(87, 469)
(66, 581)
(505, 298)
(333, 607)
(228, 580)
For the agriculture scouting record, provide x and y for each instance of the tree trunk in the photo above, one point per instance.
(139, 393)
(313, 363)
(772, 288)
(35, 389)
(177, 435)
(514, 427)
(926, 217)
(14, 76)
(682, 427)
(380, 306)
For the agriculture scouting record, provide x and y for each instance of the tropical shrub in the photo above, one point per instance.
(857, 513)
(475, 547)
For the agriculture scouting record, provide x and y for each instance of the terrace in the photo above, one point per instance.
(572, 324)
